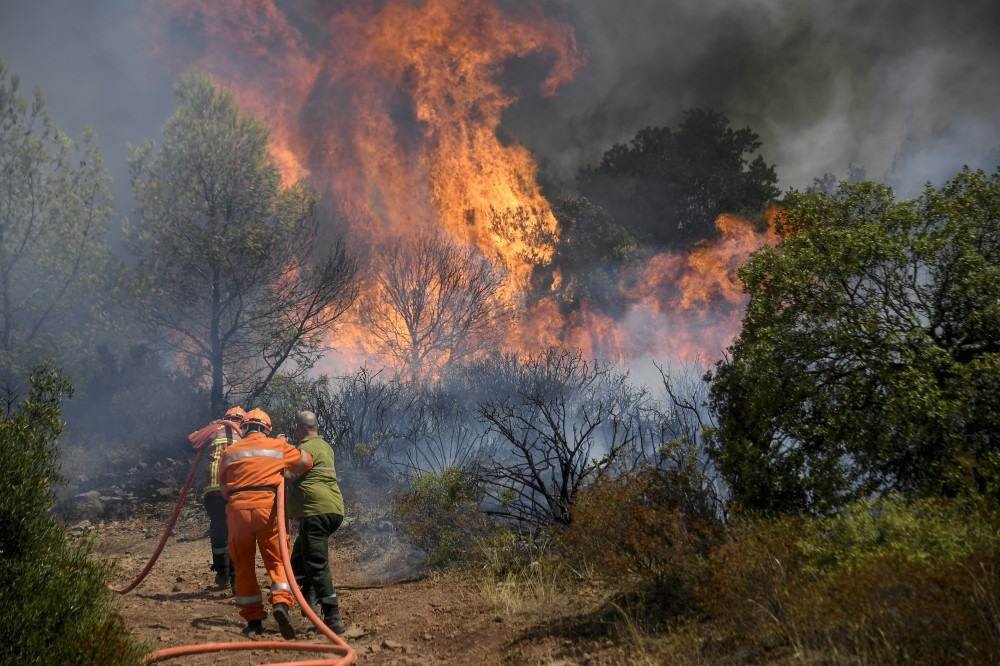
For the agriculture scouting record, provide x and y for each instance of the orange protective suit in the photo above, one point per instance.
(251, 471)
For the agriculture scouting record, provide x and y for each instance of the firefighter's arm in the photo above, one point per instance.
(203, 436)
(297, 461)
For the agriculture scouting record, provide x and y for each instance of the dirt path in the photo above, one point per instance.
(441, 619)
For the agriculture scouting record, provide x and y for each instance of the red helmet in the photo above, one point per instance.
(260, 417)
(235, 414)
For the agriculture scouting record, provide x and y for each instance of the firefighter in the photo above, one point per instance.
(251, 471)
(315, 499)
(219, 435)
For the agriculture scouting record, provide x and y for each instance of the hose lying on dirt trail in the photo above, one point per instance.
(345, 653)
(166, 530)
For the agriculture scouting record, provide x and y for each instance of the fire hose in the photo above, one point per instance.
(338, 646)
(167, 531)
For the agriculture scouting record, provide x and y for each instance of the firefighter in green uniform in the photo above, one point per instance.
(315, 500)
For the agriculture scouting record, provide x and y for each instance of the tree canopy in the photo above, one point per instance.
(54, 213)
(869, 358)
(228, 270)
(667, 186)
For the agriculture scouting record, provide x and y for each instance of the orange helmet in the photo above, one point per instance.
(235, 413)
(260, 417)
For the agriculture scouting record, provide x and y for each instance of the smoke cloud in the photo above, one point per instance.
(908, 89)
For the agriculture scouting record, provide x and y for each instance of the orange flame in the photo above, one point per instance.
(682, 306)
(392, 108)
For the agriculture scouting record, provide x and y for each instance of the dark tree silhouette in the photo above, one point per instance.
(667, 186)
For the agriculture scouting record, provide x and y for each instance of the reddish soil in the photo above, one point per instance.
(438, 619)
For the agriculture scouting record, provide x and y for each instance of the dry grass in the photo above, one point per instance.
(512, 583)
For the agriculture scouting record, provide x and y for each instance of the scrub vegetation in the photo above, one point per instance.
(826, 493)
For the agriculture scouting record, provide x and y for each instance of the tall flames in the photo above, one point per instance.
(392, 108)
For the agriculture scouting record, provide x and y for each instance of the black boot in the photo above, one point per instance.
(332, 619)
(220, 565)
(254, 628)
(221, 580)
(310, 595)
(284, 620)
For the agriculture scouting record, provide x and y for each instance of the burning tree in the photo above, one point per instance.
(667, 186)
(435, 303)
(226, 266)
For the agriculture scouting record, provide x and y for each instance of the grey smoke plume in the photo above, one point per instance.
(907, 89)
(95, 68)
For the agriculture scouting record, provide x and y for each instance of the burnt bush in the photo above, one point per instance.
(363, 416)
(561, 423)
(647, 534)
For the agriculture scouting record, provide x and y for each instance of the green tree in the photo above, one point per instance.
(228, 270)
(590, 249)
(869, 358)
(668, 185)
(54, 213)
(56, 608)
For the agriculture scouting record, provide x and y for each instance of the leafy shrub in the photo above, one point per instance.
(928, 530)
(867, 359)
(55, 607)
(647, 533)
(886, 581)
(441, 515)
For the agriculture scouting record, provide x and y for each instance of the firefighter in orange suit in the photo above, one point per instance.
(251, 471)
(219, 435)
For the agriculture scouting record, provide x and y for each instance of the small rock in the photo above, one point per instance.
(80, 526)
(180, 579)
(163, 638)
(88, 505)
(354, 632)
(498, 618)
(389, 644)
(427, 637)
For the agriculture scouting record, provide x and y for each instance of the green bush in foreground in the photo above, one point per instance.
(55, 607)
(440, 514)
(884, 582)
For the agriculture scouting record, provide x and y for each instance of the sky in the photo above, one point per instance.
(906, 89)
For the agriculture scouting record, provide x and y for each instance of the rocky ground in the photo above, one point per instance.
(397, 611)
